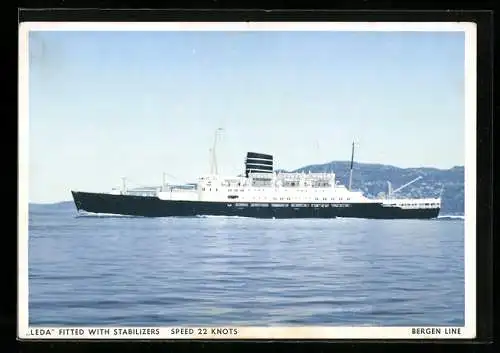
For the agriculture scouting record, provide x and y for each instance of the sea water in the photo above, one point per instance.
(102, 270)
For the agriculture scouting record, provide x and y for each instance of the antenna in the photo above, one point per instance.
(163, 181)
(214, 152)
(352, 164)
(211, 155)
(124, 185)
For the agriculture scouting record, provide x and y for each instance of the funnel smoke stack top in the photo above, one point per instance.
(258, 163)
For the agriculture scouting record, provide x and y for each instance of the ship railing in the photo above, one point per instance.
(260, 175)
(318, 178)
(290, 176)
(414, 203)
(141, 192)
(177, 189)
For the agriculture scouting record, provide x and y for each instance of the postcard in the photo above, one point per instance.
(247, 180)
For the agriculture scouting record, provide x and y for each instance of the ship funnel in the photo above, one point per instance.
(258, 163)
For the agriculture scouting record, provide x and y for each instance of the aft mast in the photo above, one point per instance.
(213, 165)
(124, 185)
(352, 164)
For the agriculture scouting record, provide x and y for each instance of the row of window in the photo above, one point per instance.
(276, 189)
(294, 205)
(290, 198)
(210, 189)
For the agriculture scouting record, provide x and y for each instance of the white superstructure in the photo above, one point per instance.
(276, 188)
(261, 184)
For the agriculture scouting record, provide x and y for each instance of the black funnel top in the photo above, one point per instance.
(258, 163)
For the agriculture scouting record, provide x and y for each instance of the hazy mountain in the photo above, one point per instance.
(372, 180)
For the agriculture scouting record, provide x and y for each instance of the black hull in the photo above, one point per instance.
(153, 207)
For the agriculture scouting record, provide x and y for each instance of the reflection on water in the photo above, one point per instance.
(241, 271)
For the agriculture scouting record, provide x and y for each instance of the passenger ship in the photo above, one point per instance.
(261, 192)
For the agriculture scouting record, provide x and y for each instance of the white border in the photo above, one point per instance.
(468, 331)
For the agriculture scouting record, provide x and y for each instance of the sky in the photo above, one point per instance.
(107, 105)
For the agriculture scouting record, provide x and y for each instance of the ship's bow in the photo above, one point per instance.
(77, 199)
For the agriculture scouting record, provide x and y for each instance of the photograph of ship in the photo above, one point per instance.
(246, 177)
(259, 193)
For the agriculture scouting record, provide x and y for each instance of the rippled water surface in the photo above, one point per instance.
(168, 271)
